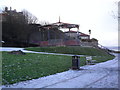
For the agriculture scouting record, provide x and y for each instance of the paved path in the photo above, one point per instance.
(26, 51)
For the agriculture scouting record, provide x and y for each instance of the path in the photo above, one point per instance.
(26, 51)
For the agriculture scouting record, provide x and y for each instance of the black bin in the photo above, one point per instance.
(75, 62)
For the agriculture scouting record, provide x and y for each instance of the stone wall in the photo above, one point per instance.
(61, 42)
(87, 44)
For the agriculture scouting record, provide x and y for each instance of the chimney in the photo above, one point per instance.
(10, 8)
(6, 8)
(14, 10)
(59, 19)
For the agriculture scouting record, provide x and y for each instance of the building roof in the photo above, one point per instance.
(83, 34)
(71, 31)
(66, 25)
(80, 33)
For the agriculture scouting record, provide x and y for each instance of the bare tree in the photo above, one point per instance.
(15, 26)
(30, 18)
(115, 13)
(44, 22)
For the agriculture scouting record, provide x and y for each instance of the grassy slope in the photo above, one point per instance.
(70, 50)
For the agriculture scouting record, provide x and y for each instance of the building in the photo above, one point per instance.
(83, 36)
(12, 15)
(77, 35)
(42, 35)
(84, 39)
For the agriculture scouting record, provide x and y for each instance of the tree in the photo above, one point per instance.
(44, 23)
(115, 13)
(15, 26)
(29, 17)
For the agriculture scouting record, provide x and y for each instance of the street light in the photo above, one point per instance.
(89, 32)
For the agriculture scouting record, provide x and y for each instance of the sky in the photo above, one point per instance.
(100, 16)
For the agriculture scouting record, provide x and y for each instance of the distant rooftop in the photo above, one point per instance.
(82, 34)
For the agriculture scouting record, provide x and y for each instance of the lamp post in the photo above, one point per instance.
(89, 32)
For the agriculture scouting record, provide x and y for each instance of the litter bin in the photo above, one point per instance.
(75, 62)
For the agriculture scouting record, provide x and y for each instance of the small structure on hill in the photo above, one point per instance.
(83, 38)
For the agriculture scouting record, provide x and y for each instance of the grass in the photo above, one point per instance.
(16, 68)
(70, 50)
(103, 58)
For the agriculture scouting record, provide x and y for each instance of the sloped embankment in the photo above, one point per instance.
(71, 50)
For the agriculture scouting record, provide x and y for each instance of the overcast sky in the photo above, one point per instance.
(97, 15)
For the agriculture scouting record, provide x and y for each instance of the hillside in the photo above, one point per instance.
(70, 50)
